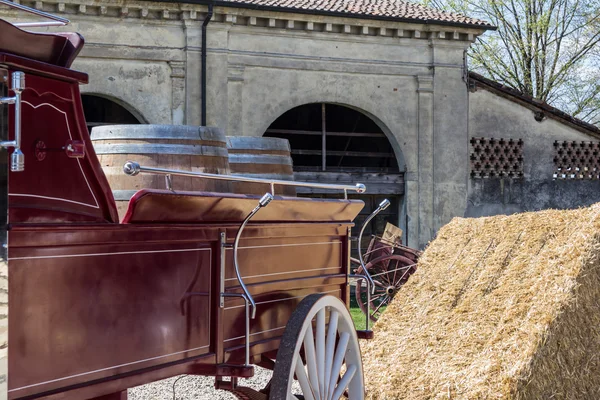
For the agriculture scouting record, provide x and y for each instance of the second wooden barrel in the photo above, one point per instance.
(261, 157)
(188, 148)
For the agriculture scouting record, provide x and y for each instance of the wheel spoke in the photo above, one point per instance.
(377, 297)
(319, 354)
(330, 346)
(380, 290)
(389, 271)
(303, 380)
(344, 382)
(320, 345)
(311, 361)
(385, 278)
(378, 307)
(403, 275)
(338, 360)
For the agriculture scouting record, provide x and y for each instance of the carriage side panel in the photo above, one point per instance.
(280, 267)
(93, 311)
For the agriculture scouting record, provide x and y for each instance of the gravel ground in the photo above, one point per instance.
(189, 387)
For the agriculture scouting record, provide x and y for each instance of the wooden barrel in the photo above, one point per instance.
(260, 157)
(188, 148)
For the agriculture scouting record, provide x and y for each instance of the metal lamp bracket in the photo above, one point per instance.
(246, 296)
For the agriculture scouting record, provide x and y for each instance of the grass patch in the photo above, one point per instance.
(358, 317)
(356, 313)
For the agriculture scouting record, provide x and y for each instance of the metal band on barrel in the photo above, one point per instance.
(259, 159)
(179, 149)
(158, 132)
(246, 143)
(280, 177)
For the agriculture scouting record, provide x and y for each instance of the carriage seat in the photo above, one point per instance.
(58, 49)
(163, 206)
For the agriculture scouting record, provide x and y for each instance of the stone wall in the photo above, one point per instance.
(409, 78)
(491, 115)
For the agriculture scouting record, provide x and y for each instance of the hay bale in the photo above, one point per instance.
(504, 307)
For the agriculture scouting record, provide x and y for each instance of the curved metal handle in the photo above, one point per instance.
(263, 202)
(17, 158)
(382, 206)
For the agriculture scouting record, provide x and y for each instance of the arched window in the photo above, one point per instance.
(100, 110)
(336, 144)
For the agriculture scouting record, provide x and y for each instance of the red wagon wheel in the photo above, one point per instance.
(389, 273)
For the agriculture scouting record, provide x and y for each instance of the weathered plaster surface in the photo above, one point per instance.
(407, 77)
(493, 116)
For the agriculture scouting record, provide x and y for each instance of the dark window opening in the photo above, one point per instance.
(101, 111)
(352, 140)
(356, 150)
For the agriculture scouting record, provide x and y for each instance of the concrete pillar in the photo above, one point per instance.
(235, 87)
(177, 92)
(411, 204)
(216, 75)
(193, 56)
(451, 141)
(425, 180)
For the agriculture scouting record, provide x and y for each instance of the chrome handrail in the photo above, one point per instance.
(382, 206)
(39, 24)
(58, 20)
(133, 168)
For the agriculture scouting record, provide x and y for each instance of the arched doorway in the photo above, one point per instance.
(332, 143)
(100, 110)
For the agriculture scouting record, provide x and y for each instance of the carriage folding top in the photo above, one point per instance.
(188, 282)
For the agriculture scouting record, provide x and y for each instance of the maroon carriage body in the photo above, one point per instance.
(97, 306)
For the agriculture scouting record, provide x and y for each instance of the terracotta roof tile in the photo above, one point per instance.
(388, 9)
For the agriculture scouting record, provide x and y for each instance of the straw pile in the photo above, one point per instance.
(505, 307)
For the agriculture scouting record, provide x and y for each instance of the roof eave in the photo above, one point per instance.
(520, 98)
(232, 4)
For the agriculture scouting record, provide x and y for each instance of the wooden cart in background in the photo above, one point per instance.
(387, 265)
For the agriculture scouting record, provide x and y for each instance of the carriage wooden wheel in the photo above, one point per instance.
(319, 356)
(389, 272)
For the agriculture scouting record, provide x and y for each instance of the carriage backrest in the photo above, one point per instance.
(149, 205)
(62, 180)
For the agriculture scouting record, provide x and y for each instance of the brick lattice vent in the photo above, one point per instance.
(496, 158)
(576, 160)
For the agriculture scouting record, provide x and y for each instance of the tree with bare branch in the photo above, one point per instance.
(548, 49)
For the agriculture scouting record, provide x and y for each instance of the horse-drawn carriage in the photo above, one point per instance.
(185, 283)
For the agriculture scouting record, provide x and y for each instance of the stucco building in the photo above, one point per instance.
(382, 86)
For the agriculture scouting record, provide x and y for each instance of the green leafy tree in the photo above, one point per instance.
(548, 49)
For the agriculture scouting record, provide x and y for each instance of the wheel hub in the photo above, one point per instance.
(390, 290)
